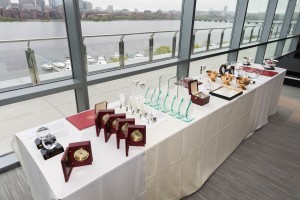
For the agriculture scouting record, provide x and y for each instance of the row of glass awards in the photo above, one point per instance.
(169, 96)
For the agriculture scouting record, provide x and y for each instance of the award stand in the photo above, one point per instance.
(49, 153)
(102, 118)
(76, 155)
(111, 126)
(122, 129)
(136, 136)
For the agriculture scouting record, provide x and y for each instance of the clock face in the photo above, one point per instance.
(81, 154)
(136, 136)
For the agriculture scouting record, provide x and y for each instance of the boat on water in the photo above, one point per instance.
(68, 61)
(90, 60)
(139, 55)
(101, 60)
(58, 64)
(46, 65)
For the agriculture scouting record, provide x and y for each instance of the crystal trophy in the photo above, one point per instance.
(50, 147)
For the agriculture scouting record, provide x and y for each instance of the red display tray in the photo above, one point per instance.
(83, 120)
(261, 72)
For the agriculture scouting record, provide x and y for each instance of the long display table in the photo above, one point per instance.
(177, 159)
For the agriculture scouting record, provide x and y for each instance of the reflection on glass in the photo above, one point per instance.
(287, 45)
(251, 53)
(22, 21)
(270, 51)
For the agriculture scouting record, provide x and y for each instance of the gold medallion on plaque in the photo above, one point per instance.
(136, 136)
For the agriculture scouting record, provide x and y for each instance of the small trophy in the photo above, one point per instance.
(47, 143)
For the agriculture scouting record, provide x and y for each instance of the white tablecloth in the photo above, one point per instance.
(177, 159)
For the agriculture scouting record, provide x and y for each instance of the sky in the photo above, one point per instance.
(253, 6)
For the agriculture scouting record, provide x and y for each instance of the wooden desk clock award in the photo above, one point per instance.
(76, 155)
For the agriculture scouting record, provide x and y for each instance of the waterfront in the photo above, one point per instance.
(13, 63)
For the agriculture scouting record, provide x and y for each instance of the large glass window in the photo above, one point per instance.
(39, 26)
(294, 18)
(28, 114)
(278, 19)
(213, 24)
(124, 33)
(255, 16)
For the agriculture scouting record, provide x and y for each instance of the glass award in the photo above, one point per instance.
(174, 105)
(167, 101)
(153, 98)
(189, 112)
(147, 96)
(180, 109)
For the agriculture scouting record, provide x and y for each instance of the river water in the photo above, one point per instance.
(13, 63)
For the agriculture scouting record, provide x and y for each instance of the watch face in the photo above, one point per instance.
(136, 136)
(124, 128)
(105, 118)
(81, 154)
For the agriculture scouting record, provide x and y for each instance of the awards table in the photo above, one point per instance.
(177, 159)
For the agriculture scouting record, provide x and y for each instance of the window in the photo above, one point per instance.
(213, 24)
(255, 16)
(130, 32)
(35, 33)
(278, 19)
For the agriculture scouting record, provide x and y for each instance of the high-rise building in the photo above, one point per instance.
(4, 3)
(225, 8)
(87, 5)
(110, 8)
(55, 3)
(80, 2)
(40, 2)
(23, 2)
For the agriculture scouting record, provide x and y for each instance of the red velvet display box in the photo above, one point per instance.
(112, 125)
(83, 120)
(68, 160)
(134, 130)
(122, 129)
(100, 122)
(195, 97)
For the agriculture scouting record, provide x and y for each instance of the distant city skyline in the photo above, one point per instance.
(154, 5)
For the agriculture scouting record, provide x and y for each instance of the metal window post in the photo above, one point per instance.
(30, 57)
(186, 35)
(76, 48)
(285, 26)
(266, 30)
(237, 28)
(151, 44)
(174, 45)
(122, 53)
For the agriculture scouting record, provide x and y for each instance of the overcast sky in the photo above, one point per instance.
(254, 5)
